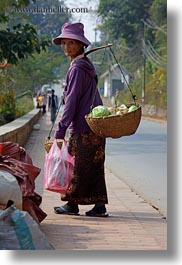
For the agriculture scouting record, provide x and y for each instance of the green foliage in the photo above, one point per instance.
(156, 90)
(158, 10)
(20, 43)
(138, 31)
(12, 108)
(20, 40)
(123, 18)
(125, 97)
(24, 105)
(7, 107)
(123, 26)
(48, 22)
(35, 71)
(6, 7)
(27, 58)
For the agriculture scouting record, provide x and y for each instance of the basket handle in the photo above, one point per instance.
(133, 96)
(61, 103)
(95, 77)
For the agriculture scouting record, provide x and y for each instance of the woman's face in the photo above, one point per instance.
(72, 48)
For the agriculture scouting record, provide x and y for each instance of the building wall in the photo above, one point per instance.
(116, 83)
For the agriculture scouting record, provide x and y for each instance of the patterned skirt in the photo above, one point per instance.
(87, 185)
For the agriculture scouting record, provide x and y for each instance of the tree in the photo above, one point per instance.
(28, 28)
(122, 25)
(123, 18)
(20, 43)
(25, 61)
(22, 39)
(158, 13)
(32, 73)
(47, 17)
(138, 31)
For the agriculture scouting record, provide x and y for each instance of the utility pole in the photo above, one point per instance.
(144, 68)
(95, 42)
(144, 79)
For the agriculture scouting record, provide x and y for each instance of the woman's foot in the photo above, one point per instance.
(68, 208)
(99, 210)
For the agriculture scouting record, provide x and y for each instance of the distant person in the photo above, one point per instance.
(39, 100)
(53, 105)
(44, 100)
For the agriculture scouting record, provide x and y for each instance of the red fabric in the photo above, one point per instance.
(31, 206)
(15, 160)
(15, 151)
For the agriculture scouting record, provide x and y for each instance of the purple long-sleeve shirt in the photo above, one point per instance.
(79, 93)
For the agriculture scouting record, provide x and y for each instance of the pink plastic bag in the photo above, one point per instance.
(58, 168)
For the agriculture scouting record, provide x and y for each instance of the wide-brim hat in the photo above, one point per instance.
(73, 31)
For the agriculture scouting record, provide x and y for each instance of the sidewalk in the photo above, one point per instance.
(132, 225)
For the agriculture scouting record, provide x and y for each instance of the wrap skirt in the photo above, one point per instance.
(87, 185)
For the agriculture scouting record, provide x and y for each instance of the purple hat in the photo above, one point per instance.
(73, 31)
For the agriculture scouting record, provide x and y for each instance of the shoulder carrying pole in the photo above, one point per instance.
(98, 48)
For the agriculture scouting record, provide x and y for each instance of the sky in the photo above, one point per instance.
(90, 20)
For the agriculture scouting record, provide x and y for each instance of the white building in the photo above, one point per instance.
(113, 80)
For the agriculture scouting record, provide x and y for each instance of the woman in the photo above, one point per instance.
(88, 182)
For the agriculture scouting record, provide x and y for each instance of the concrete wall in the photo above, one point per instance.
(19, 130)
(153, 112)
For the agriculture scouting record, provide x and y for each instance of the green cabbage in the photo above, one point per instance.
(100, 111)
(132, 108)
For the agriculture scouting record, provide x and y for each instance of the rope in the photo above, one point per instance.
(133, 96)
(61, 103)
(96, 78)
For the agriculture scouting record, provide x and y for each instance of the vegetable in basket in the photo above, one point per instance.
(100, 111)
(122, 109)
(132, 108)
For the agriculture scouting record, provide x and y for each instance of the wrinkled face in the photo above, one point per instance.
(72, 48)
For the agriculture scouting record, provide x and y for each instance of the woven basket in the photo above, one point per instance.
(115, 126)
(48, 143)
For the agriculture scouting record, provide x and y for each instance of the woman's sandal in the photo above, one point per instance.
(95, 214)
(62, 210)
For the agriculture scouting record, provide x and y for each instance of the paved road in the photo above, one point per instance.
(141, 161)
